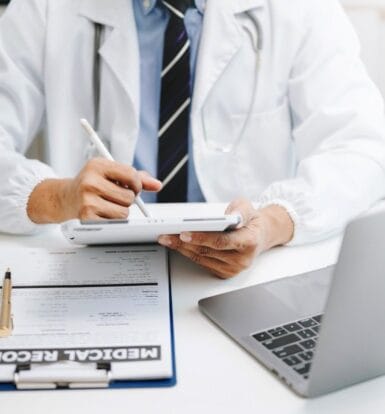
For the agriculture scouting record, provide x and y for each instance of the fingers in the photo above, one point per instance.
(149, 183)
(224, 254)
(89, 216)
(130, 178)
(239, 240)
(117, 194)
(221, 263)
(245, 237)
(215, 266)
(125, 175)
(104, 189)
(175, 243)
(102, 209)
(243, 207)
(230, 258)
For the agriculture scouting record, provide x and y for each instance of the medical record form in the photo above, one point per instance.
(88, 317)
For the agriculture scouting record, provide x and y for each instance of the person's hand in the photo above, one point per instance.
(225, 254)
(102, 190)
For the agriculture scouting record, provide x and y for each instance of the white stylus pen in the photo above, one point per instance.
(103, 151)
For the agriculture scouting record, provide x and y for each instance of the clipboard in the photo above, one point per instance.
(87, 375)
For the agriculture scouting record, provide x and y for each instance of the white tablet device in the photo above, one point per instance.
(142, 230)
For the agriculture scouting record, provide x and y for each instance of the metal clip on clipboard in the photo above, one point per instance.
(62, 375)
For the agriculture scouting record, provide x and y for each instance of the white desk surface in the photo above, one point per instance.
(214, 374)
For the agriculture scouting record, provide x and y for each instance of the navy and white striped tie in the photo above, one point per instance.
(174, 106)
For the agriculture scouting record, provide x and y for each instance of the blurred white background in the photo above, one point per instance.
(368, 17)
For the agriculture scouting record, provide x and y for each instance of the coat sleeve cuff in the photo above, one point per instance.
(300, 206)
(290, 211)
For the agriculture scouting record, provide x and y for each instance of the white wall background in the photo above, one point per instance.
(368, 17)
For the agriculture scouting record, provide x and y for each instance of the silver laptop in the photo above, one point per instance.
(320, 331)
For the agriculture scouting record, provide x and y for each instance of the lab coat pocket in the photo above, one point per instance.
(220, 130)
(265, 150)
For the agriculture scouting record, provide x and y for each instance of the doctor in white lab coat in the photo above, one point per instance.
(283, 115)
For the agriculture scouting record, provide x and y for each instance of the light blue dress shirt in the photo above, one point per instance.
(151, 21)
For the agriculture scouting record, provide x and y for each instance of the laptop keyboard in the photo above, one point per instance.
(293, 343)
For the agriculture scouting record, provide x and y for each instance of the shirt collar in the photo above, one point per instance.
(149, 5)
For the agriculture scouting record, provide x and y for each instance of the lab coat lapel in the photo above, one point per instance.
(221, 39)
(120, 49)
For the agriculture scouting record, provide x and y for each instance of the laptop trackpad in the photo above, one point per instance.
(263, 306)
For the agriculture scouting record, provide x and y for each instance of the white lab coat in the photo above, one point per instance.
(303, 124)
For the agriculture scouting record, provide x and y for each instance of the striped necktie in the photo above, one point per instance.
(174, 106)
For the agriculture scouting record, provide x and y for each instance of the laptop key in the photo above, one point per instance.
(262, 336)
(282, 341)
(306, 334)
(318, 318)
(306, 356)
(277, 332)
(316, 329)
(292, 327)
(303, 370)
(309, 344)
(292, 360)
(308, 323)
(287, 351)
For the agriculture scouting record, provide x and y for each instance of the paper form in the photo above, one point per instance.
(94, 304)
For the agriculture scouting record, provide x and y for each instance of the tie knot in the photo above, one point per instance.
(179, 7)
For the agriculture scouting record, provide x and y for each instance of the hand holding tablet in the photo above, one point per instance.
(138, 230)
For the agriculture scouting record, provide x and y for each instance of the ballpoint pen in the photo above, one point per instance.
(103, 151)
(6, 324)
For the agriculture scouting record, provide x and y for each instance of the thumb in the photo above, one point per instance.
(243, 208)
(149, 182)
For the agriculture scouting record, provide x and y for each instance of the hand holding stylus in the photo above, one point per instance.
(103, 189)
(94, 138)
